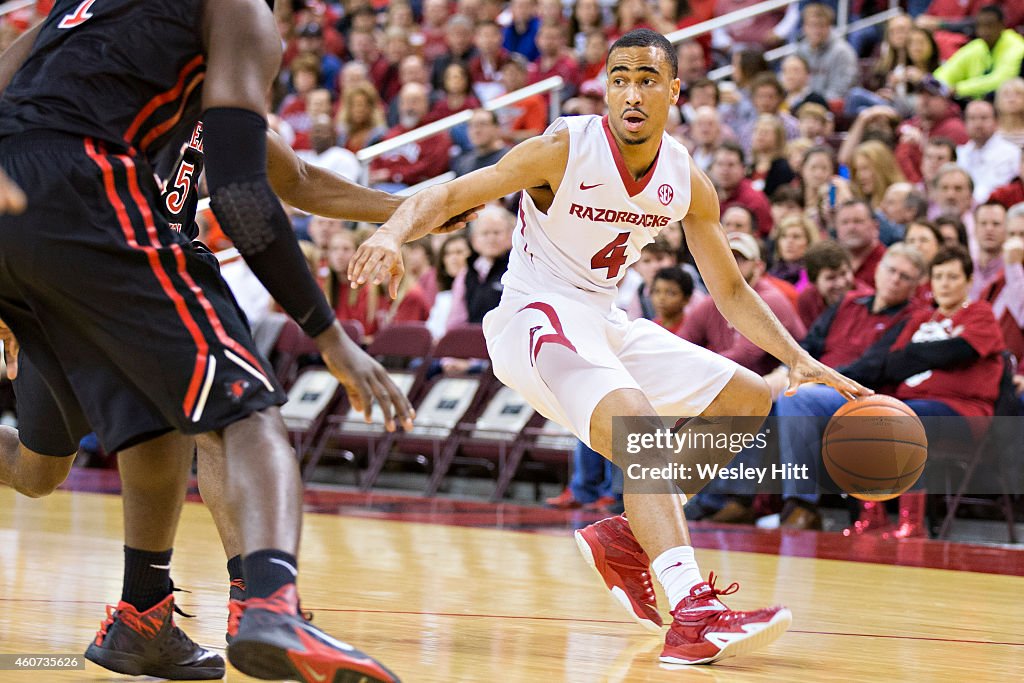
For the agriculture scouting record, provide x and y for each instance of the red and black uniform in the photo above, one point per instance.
(132, 333)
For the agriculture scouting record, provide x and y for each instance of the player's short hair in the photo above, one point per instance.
(679, 276)
(949, 254)
(645, 37)
(825, 254)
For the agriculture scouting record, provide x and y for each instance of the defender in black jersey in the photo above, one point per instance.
(114, 310)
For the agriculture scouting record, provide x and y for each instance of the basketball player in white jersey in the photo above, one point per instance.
(596, 190)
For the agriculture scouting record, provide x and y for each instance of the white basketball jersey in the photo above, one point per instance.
(600, 218)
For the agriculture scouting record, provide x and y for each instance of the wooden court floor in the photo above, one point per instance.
(443, 603)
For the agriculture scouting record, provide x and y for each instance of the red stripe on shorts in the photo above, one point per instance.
(557, 337)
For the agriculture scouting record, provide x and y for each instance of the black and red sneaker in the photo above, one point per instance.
(275, 642)
(150, 644)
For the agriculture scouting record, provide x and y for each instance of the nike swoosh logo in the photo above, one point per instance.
(589, 187)
(160, 566)
(313, 673)
(284, 564)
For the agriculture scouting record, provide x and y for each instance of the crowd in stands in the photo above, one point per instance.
(872, 185)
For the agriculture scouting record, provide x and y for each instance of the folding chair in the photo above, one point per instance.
(546, 445)
(495, 437)
(293, 348)
(447, 401)
(315, 393)
(399, 347)
(1006, 406)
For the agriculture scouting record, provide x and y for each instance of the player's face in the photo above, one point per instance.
(640, 92)
(950, 284)
(667, 298)
(833, 283)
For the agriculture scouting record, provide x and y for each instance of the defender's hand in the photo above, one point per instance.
(12, 199)
(806, 370)
(378, 258)
(364, 379)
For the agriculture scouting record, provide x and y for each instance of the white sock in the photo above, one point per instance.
(677, 571)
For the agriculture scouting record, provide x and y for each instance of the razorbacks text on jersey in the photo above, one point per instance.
(600, 218)
(142, 104)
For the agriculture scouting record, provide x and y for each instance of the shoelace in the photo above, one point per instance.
(105, 624)
(729, 590)
(177, 609)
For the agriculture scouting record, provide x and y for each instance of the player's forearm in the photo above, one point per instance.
(750, 315)
(419, 214)
(323, 193)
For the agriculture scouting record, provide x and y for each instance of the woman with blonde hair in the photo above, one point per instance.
(873, 170)
(769, 168)
(1010, 110)
(792, 237)
(360, 119)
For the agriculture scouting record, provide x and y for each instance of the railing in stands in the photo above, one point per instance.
(14, 6)
(367, 155)
(727, 19)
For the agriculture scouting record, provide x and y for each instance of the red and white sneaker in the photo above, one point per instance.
(704, 630)
(610, 547)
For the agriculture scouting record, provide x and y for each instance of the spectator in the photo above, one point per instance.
(526, 118)
(873, 170)
(705, 132)
(485, 67)
(348, 303)
(926, 238)
(635, 291)
(764, 31)
(953, 193)
(457, 94)
(1006, 292)
(478, 289)
(326, 154)
(788, 201)
(739, 218)
(736, 106)
(857, 232)
(837, 338)
(360, 119)
(458, 40)
(833, 62)
(670, 295)
(411, 70)
(766, 95)
(796, 81)
(823, 190)
(990, 233)
(706, 326)
(813, 122)
(1010, 110)
(595, 485)
(452, 260)
(554, 60)
(521, 33)
(1012, 192)
(692, 65)
(353, 74)
(944, 363)
(831, 277)
(937, 116)
(418, 257)
(938, 151)
(873, 123)
(311, 42)
(488, 147)
(991, 160)
(432, 29)
(590, 101)
(417, 161)
(629, 15)
(952, 230)
(982, 65)
(591, 59)
(305, 75)
(385, 70)
(728, 174)
(769, 169)
(586, 19)
(900, 205)
(793, 236)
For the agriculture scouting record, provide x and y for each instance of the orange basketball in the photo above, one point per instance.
(874, 448)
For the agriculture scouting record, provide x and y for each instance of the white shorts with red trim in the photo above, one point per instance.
(563, 356)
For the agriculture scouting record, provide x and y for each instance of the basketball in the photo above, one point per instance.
(874, 448)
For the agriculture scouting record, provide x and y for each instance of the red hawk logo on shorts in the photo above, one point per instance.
(665, 194)
(236, 390)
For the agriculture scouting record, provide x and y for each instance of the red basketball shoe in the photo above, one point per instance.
(274, 642)
(704, 630)
(610, 547)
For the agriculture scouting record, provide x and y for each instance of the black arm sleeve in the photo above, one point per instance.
(915, 358)
(869, 369)
(235, 145)
(814, 342)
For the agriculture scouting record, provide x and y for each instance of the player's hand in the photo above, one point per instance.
(364, 379)
(10, 350)
(377, 259)
(456, 223)
(12, 199)
(806, 370)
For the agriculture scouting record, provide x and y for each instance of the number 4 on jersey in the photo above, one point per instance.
(612, 255)
(78, 17)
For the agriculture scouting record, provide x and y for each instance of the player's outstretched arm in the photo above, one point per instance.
(536, 163)
(738, 302)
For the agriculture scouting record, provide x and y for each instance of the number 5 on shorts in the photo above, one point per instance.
(612, 255)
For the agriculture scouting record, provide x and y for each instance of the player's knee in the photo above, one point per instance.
(38, 476)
